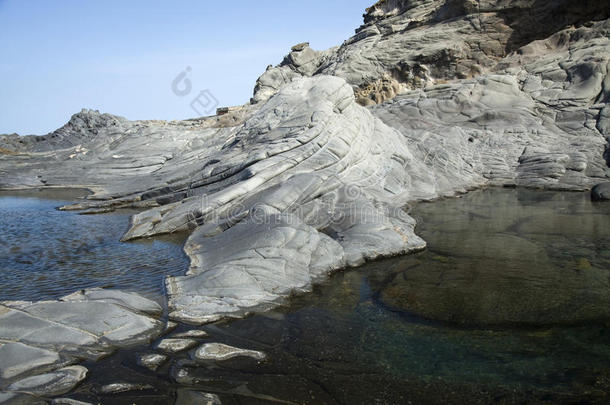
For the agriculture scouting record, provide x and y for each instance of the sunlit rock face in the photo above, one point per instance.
(407, 44)
(306, 180)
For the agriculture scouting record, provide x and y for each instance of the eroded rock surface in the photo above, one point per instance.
(39, 337)
(219, 351)
(306, 180)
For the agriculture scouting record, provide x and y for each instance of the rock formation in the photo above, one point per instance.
(306, 179)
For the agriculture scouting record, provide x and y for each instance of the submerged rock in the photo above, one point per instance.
(219, 351)
(190, 397)
(601, 192)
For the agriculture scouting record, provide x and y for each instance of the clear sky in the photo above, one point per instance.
(121, 57)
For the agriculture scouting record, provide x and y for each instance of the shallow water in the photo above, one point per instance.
(508, 305)
(46, 253)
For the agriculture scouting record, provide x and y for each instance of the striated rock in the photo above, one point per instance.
(54, 383)
(118, 388)
(194, 333)
(48, 334)
(219, 351)
(18, 358)
(414, 43)
(305, 181)
(176, 345)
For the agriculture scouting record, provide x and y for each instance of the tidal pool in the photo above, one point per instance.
(510, 303)
(46, 253)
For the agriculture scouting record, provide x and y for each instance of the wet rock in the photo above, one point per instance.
(190, 397)
(219, 351)
(18, 358)
(310, 181)
(172, 345)
(152, 361)
(170, 326)
(54, 383)
(118, 388)
(131, 301)
(601, 192)
(74, 325)
(193, 333)
(68, 401)
(11, 398)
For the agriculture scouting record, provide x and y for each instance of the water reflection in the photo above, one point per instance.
(533, 258)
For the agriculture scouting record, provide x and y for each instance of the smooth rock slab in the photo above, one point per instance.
(86, 324)
(18, 358)
(54, 383)
(176, 345)
(152, 361)
(219, 351)
(131, 301)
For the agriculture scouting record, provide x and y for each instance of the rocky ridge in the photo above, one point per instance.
(306, 180)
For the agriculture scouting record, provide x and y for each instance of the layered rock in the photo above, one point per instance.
(306, 180)
(43, 337)
(406, 44)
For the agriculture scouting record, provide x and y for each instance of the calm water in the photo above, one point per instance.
(46, 253)
(510, 304)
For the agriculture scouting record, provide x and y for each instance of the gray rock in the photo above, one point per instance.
(18, 358)
(152, 361)
(54, 383)
(68, 401)
(12, 398)
(305, 181)
(300, 47)
(411, 44)
(131, 301)
(118, 388)
(193, 333)
(190, 397)
(172, 345)
(601, 192)
(219, 351)
(46, 335)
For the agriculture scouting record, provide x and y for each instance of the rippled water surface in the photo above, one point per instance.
(510, 304)
(46, 253)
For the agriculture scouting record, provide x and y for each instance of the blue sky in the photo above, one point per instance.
(121, 57)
